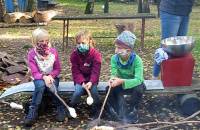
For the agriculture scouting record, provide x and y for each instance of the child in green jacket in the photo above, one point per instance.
(126, 79)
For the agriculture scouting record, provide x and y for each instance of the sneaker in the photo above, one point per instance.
(60, 114)
(31, 116)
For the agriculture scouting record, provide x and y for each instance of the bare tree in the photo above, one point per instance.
(106, 6)
(89, 7)
(31, 5)
(143, 6)
(2, 9)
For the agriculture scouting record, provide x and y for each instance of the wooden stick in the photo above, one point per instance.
(104, 102)
(88, 92)
(4, 102)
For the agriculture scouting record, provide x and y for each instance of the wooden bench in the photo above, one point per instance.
(153, 86)
(66, 20)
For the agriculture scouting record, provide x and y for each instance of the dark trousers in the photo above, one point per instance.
(117, 101)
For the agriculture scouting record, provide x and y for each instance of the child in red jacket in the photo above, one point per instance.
(86, 66)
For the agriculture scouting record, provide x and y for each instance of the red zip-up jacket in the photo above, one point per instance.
(86, 67)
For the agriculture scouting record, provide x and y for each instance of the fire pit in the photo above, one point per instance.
(178, 46)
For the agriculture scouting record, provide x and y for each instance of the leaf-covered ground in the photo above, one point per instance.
(160, 107)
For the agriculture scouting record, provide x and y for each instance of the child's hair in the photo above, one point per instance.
(85, 34)
(39, 34)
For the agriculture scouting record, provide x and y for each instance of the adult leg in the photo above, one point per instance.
(169, 24)
(183, 29)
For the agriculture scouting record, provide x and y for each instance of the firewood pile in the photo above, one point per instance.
(34, 17)
(13, 70)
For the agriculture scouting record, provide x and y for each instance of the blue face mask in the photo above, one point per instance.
(83, 47)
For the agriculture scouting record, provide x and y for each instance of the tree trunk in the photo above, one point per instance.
(158, 7)
(31, 5)
(143, 6)
(2, 10)
(106, 6)
(89, 7)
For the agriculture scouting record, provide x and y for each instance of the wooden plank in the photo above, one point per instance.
(68, 87)
(93, 17)
(179, 89)
(4, 25)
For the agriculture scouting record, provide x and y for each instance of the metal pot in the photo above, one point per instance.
(178, 46)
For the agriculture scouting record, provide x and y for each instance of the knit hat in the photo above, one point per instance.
(126, 39)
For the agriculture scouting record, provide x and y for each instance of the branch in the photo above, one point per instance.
(192, 116)
(175, 123)
(184, 121)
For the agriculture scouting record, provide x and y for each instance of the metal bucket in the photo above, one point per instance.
(178, 46)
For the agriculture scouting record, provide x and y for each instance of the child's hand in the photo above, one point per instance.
(88, 85)
(51, 78)
(48, 80)
(116, 82)
(83, 85)
(110, 82)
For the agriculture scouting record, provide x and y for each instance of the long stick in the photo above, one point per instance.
(71, 110)
(102, 108)
(12, 104)
(56, 94)
(88, 92)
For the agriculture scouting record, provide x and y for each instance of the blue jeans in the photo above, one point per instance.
(79, 91)
(171, 25)
(40, 89)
